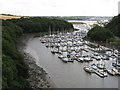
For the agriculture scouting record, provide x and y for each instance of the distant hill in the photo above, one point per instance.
(8, 17)
(93, 18)
(90, 18)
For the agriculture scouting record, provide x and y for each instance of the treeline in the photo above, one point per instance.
(99, 33)
(42, 24)
(109, 33)
(14, 69)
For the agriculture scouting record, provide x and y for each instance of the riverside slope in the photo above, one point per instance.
(38, 78)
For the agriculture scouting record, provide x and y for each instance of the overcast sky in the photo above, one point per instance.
(60, 7)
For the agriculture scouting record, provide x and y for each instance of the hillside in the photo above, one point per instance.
(109, 33)
(14, 69)
(114, 25)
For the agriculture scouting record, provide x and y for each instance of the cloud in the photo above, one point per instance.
(60, 7)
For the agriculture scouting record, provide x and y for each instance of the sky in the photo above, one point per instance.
(59, 7)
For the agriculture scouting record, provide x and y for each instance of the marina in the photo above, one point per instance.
(60, 44)
(71, 59)
(71, 46)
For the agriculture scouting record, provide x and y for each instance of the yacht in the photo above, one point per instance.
(94, 66)
(65, 59)
(80, 59)
(87, 58)
(116, 71)
(60, 56)
(88, 69)
(101, 66)
(111, 72)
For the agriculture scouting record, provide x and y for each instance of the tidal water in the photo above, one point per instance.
(67, 75)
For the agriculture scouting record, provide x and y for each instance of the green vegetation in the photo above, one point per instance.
(14, 69)
(99, 33)
(41, 24)
(7, 14)
(110, 33)
(114, 25)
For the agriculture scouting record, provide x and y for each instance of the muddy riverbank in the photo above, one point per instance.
(38, 78)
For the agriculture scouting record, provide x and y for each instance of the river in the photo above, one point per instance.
(67, 75)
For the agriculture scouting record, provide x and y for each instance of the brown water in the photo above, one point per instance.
(67, 75)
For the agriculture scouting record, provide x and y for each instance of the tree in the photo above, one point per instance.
(99, 33)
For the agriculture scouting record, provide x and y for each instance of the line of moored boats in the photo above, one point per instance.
(72, 46)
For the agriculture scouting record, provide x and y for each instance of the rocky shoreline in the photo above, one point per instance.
(38, 78)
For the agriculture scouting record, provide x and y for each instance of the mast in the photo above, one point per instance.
(49, 29)
(118, 57)
(103, 67)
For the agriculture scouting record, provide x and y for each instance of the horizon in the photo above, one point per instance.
(54, 16)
